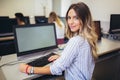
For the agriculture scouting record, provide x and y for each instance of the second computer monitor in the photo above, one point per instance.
(114, 23)
(41, 19)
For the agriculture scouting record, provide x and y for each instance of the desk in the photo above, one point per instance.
(6, 38)
(12, 72)
(106, 46)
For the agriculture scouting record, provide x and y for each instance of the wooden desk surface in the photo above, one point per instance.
(6, 38)
(11, 72)
(106, 46)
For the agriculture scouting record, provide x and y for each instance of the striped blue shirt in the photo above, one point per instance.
(76, 60)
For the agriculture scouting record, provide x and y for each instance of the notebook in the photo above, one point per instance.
(34, 40)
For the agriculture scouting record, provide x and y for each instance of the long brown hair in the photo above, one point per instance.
(88, 29)
(53, 17)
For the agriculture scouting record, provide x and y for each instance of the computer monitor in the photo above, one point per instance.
(34, 38)
(114, 23)
(41, 19)
(4, 17)
(5, 26)
(13, 21)
(27, 19)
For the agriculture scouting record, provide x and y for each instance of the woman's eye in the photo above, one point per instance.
(76, 17)
(68, 17)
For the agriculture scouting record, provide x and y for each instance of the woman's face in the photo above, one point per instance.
(73, 21)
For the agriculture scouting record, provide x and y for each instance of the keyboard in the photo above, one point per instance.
(42, 61)
(112, 36)
(115, 32)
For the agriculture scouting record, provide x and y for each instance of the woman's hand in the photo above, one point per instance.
(22, 67)
(53, 58)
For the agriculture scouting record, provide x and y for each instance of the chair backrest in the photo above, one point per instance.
(98, 29)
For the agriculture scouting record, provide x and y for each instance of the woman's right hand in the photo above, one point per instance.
(53, 58)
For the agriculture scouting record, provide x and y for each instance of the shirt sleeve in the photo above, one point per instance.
(67, 57)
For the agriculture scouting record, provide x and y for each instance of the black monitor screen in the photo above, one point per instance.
(41, 19)
(4, 17)
(114, 22)
(13, 21)
(5, 26)
(27, 20)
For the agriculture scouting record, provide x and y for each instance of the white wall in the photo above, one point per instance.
(57, 6)
(29, 8)
(64, 7)
(101, 10)
(61, 7)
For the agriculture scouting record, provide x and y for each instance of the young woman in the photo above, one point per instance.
(78, 57)
(59, 25)
(20, 18)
